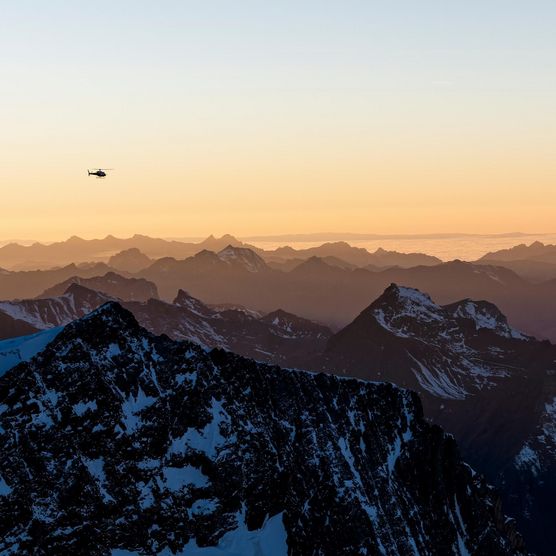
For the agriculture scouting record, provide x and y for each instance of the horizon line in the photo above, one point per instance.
(294, 237)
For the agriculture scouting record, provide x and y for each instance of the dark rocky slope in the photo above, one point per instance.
(116, 439)
(491, 386)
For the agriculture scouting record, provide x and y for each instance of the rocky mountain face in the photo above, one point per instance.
(450, 349)
(18, 318)
(491, 386)
(278, 337)
(112, 284)
(116, 441)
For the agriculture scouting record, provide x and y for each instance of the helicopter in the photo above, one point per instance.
(99, 172)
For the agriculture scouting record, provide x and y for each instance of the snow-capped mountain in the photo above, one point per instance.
(487, 383)
(448, 352)
(279, 337)
(31, 315)
(116, 441)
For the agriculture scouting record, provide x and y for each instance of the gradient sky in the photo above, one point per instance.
(255, 117)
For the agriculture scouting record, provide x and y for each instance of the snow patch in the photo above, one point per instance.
(269, 540)
(24, 348)
(207, 440)
(5, 489)
(177, 478)
(82, 407)
(132, 407)
(96, 469)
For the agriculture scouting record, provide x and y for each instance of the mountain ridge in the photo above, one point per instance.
(125, 419)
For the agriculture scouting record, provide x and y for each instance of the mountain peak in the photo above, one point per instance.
(408, 295)
(485, 315)
(213, 242)
(315, 264)
(185, 300)
(242, 256)
(228, 237)
(75, 288)
(110, 319)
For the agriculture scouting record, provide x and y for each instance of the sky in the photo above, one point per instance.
(257, 117)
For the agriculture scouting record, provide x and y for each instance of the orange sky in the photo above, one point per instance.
(276, 121)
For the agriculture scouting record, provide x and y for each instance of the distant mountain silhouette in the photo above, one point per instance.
(535, 262)
(289, 264)
(76, 250)
(242, 258)
(112, 284)
(537, 251)
(30, 283)
(356, 256)
(532, 270)
(130, 260)
(326, 293)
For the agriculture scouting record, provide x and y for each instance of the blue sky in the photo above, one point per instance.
(166, 90)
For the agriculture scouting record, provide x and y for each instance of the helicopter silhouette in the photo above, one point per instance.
(99, 172)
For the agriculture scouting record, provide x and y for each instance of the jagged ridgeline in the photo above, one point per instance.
(116, 441)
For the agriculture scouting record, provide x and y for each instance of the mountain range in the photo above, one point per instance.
(77, 250)
(335, 295)
(535, 262)
(135, 253)
(116, 441)
(277, 337)
(490, 385)
(322, 290)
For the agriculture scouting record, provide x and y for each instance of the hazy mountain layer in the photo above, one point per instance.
(278, 337)
(335, 296)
